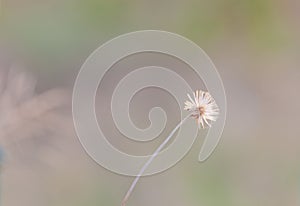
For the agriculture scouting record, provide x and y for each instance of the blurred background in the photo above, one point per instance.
(253, 43)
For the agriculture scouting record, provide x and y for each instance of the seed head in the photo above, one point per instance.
(203, 108)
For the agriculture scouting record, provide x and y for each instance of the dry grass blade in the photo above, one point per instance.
(22, 111)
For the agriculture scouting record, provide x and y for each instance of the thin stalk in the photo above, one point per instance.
(151, 159)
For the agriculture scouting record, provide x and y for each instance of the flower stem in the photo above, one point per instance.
(151, 159)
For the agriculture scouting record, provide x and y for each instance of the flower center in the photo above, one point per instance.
(201, 110)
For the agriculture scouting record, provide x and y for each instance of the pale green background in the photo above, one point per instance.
(253, 43)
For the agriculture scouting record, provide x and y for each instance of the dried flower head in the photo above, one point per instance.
(203, 108)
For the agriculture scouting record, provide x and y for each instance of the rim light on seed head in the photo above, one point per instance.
(203, 108)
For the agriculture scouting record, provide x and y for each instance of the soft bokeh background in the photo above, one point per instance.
(255, 46)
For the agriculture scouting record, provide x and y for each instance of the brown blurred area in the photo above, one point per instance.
(255, 47)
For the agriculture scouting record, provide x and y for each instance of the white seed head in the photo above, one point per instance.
(203, 108)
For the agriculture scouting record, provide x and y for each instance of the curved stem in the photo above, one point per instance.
(151, 159)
